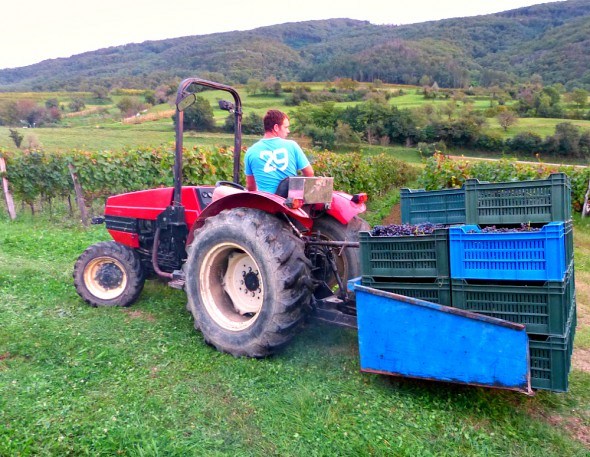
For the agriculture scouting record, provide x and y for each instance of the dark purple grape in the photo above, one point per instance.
(522, 228)
(426, 228)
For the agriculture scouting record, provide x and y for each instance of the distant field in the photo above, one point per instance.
(540, 126)
(100, 125)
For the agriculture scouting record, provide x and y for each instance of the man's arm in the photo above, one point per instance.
(307, 171)
(251, 182)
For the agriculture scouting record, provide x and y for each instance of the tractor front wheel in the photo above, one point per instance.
(109, 274)
(248, 282)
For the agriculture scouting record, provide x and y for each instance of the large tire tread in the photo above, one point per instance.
(291, 273)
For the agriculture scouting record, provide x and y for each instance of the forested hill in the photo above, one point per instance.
(551, 40)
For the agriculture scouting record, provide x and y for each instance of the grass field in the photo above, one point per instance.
(541, 126)
(100, 127)
(140, 381)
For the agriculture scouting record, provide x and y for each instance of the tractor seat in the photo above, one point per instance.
(224, 191)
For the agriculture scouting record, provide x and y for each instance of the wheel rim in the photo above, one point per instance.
(231, 286)
(105, 278)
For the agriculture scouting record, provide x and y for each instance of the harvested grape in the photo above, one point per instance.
(426, 228)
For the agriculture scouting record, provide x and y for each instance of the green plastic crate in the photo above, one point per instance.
(446, 206)
(405, 256)
(542, 307)
(550, 358)
(435, 290)
(535, 201)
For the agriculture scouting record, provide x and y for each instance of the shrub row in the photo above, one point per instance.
(40, 175)
(443, 172)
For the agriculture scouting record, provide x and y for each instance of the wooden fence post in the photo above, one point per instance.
(585, 209)
(7, 194)
(79, 195)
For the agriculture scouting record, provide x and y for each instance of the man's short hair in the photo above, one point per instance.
(272, 117)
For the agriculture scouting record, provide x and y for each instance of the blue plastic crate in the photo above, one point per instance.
(513, 256)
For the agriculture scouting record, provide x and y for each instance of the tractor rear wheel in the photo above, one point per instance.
(248, 282)
(109, 274)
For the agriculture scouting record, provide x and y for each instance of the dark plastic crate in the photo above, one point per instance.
(542, 255)
(550, 358)
(542, 307)
(535, 201)
(435, 290)
(445, 206)
(405, 256)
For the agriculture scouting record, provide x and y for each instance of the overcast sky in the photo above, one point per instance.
(37, 30)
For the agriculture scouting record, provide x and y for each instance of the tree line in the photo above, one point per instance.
(498, 49)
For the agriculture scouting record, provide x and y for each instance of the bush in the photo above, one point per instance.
(526, 142)
(38, 175)
(441, 172)
(375, 175)
(489, 142)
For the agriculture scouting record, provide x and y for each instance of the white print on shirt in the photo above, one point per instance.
(277, 159)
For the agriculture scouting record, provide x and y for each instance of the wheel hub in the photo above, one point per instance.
(251, 281)
(242, 283)
(109, 276)
(105, 277)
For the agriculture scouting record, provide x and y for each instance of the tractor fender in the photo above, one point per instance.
(269, 203)
(343, 209)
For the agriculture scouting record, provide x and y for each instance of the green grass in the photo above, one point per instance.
(76, 380)
(541, 126)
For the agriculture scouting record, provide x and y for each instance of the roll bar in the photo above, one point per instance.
(183, 101)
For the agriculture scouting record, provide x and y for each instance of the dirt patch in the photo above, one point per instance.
(583, 298)
(394, 217)
(581, 359)
(581, 356)
(138, 314)
(574, 426)
(3, 357)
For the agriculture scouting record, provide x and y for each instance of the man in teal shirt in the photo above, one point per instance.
(274, 158)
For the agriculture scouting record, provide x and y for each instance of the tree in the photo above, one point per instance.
(252, 124)
(566, 140)
(199, 116)
(77, 104)
(345, 134)
(346, 84)
(51, 103)
(526, 142)
(100, 92)
(425, 80)
(578, 96)
(16, 137)
(253, 86)
(507, 118)
(130, 106)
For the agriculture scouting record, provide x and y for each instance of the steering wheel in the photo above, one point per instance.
(230, 184)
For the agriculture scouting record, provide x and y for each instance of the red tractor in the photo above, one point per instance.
(253, 264)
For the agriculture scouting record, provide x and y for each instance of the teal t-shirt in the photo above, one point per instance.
(271, 160)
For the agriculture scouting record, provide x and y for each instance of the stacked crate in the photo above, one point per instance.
(524, 277)
(414, 266)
